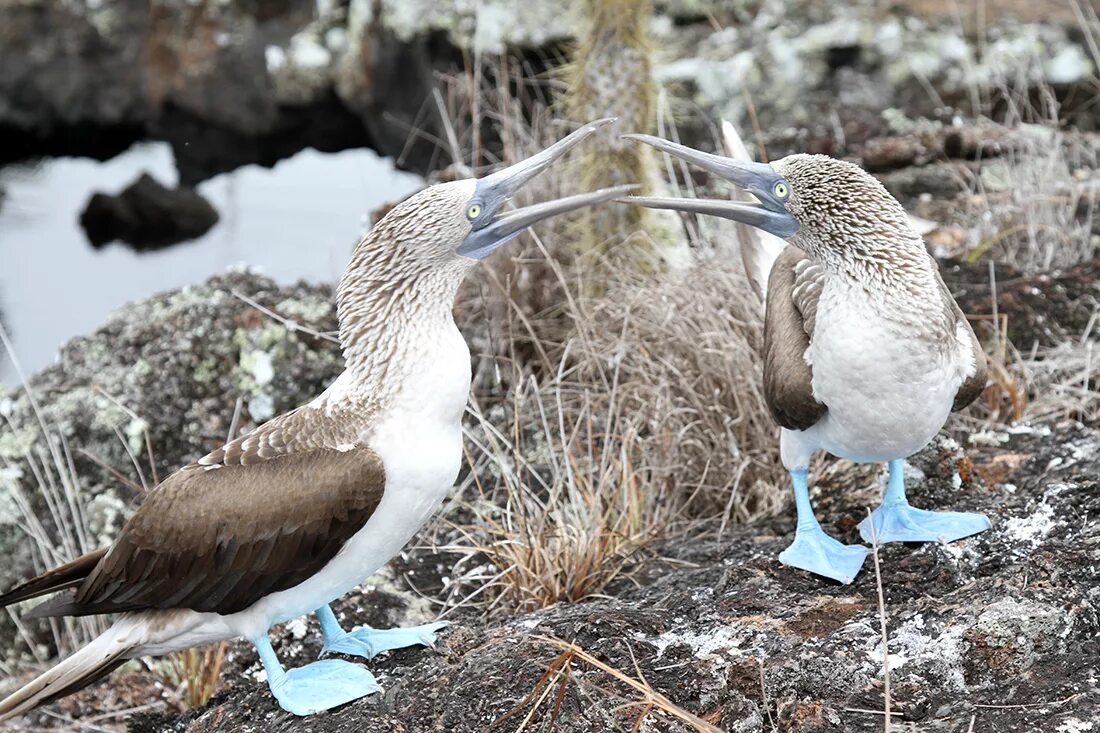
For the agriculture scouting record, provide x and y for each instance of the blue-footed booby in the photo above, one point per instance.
(283, 521)
(865, 351)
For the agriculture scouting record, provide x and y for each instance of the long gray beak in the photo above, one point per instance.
(752, 214)
(757, 178)
(508, 226)
(496, 188)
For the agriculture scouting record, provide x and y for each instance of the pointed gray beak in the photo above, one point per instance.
(506, 227)
(759, 179)
(496, 188)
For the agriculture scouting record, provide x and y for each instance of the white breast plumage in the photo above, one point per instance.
(887, 393)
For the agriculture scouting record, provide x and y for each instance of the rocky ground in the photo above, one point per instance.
(1002, 629)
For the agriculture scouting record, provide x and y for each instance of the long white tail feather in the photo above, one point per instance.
(759, 249)
(100, 656)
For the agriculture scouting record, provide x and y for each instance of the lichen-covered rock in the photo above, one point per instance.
(1003, 626)
(170, 369)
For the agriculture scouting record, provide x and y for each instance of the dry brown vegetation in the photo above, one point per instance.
(604, 418)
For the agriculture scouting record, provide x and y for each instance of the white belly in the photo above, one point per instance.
(420, 444)
(887, 394)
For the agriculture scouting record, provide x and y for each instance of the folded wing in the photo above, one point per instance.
(258, 516)
(794, 288)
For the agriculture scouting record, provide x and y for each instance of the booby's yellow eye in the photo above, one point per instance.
(473, 212)
(781, 189)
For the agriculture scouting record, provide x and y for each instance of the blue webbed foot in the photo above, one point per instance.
(367, 642)
(322, 685)
(904, 523)
(819, 553)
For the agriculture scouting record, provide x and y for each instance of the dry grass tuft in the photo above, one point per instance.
(645, 420)
(1065, 380)
(635, 415)
(195, 672)
(605, 418)
(565, 511)
(1036, 209)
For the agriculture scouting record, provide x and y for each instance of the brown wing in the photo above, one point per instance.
(220, 538)
(974, 385)
(794, 288)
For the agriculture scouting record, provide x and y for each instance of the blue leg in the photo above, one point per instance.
(317, 686)
(367, 642)
(814, 550)
(896, 521)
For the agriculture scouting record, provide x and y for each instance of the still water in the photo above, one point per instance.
(298, 220)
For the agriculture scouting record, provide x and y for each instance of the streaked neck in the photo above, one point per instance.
(391, 313)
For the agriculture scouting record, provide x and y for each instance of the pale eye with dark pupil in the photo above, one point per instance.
(780, 190)
(474, 211)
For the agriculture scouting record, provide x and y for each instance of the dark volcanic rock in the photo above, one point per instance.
(943, 180)
(225, 83)
(1046, 309)
(147, 215)
(1003, 626)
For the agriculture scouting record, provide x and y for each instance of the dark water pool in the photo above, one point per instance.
(298, 220)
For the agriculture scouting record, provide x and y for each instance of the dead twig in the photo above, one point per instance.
(882, 625)
(651, 699)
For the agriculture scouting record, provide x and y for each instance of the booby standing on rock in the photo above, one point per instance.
(866, 352)
(285, 520)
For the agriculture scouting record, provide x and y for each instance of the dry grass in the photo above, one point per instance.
(1064, 381)
(195, 672)
(882, 627)
(564, 528)
(53, 519)
(1034, 208)
(604, 418)
(647, 422)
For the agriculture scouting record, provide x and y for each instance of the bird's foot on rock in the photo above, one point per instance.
(323, 685)
(817, 552)
(367, 642)
(904, 523)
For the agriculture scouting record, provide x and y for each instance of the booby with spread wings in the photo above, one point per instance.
(283, 521)
(866, 352)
